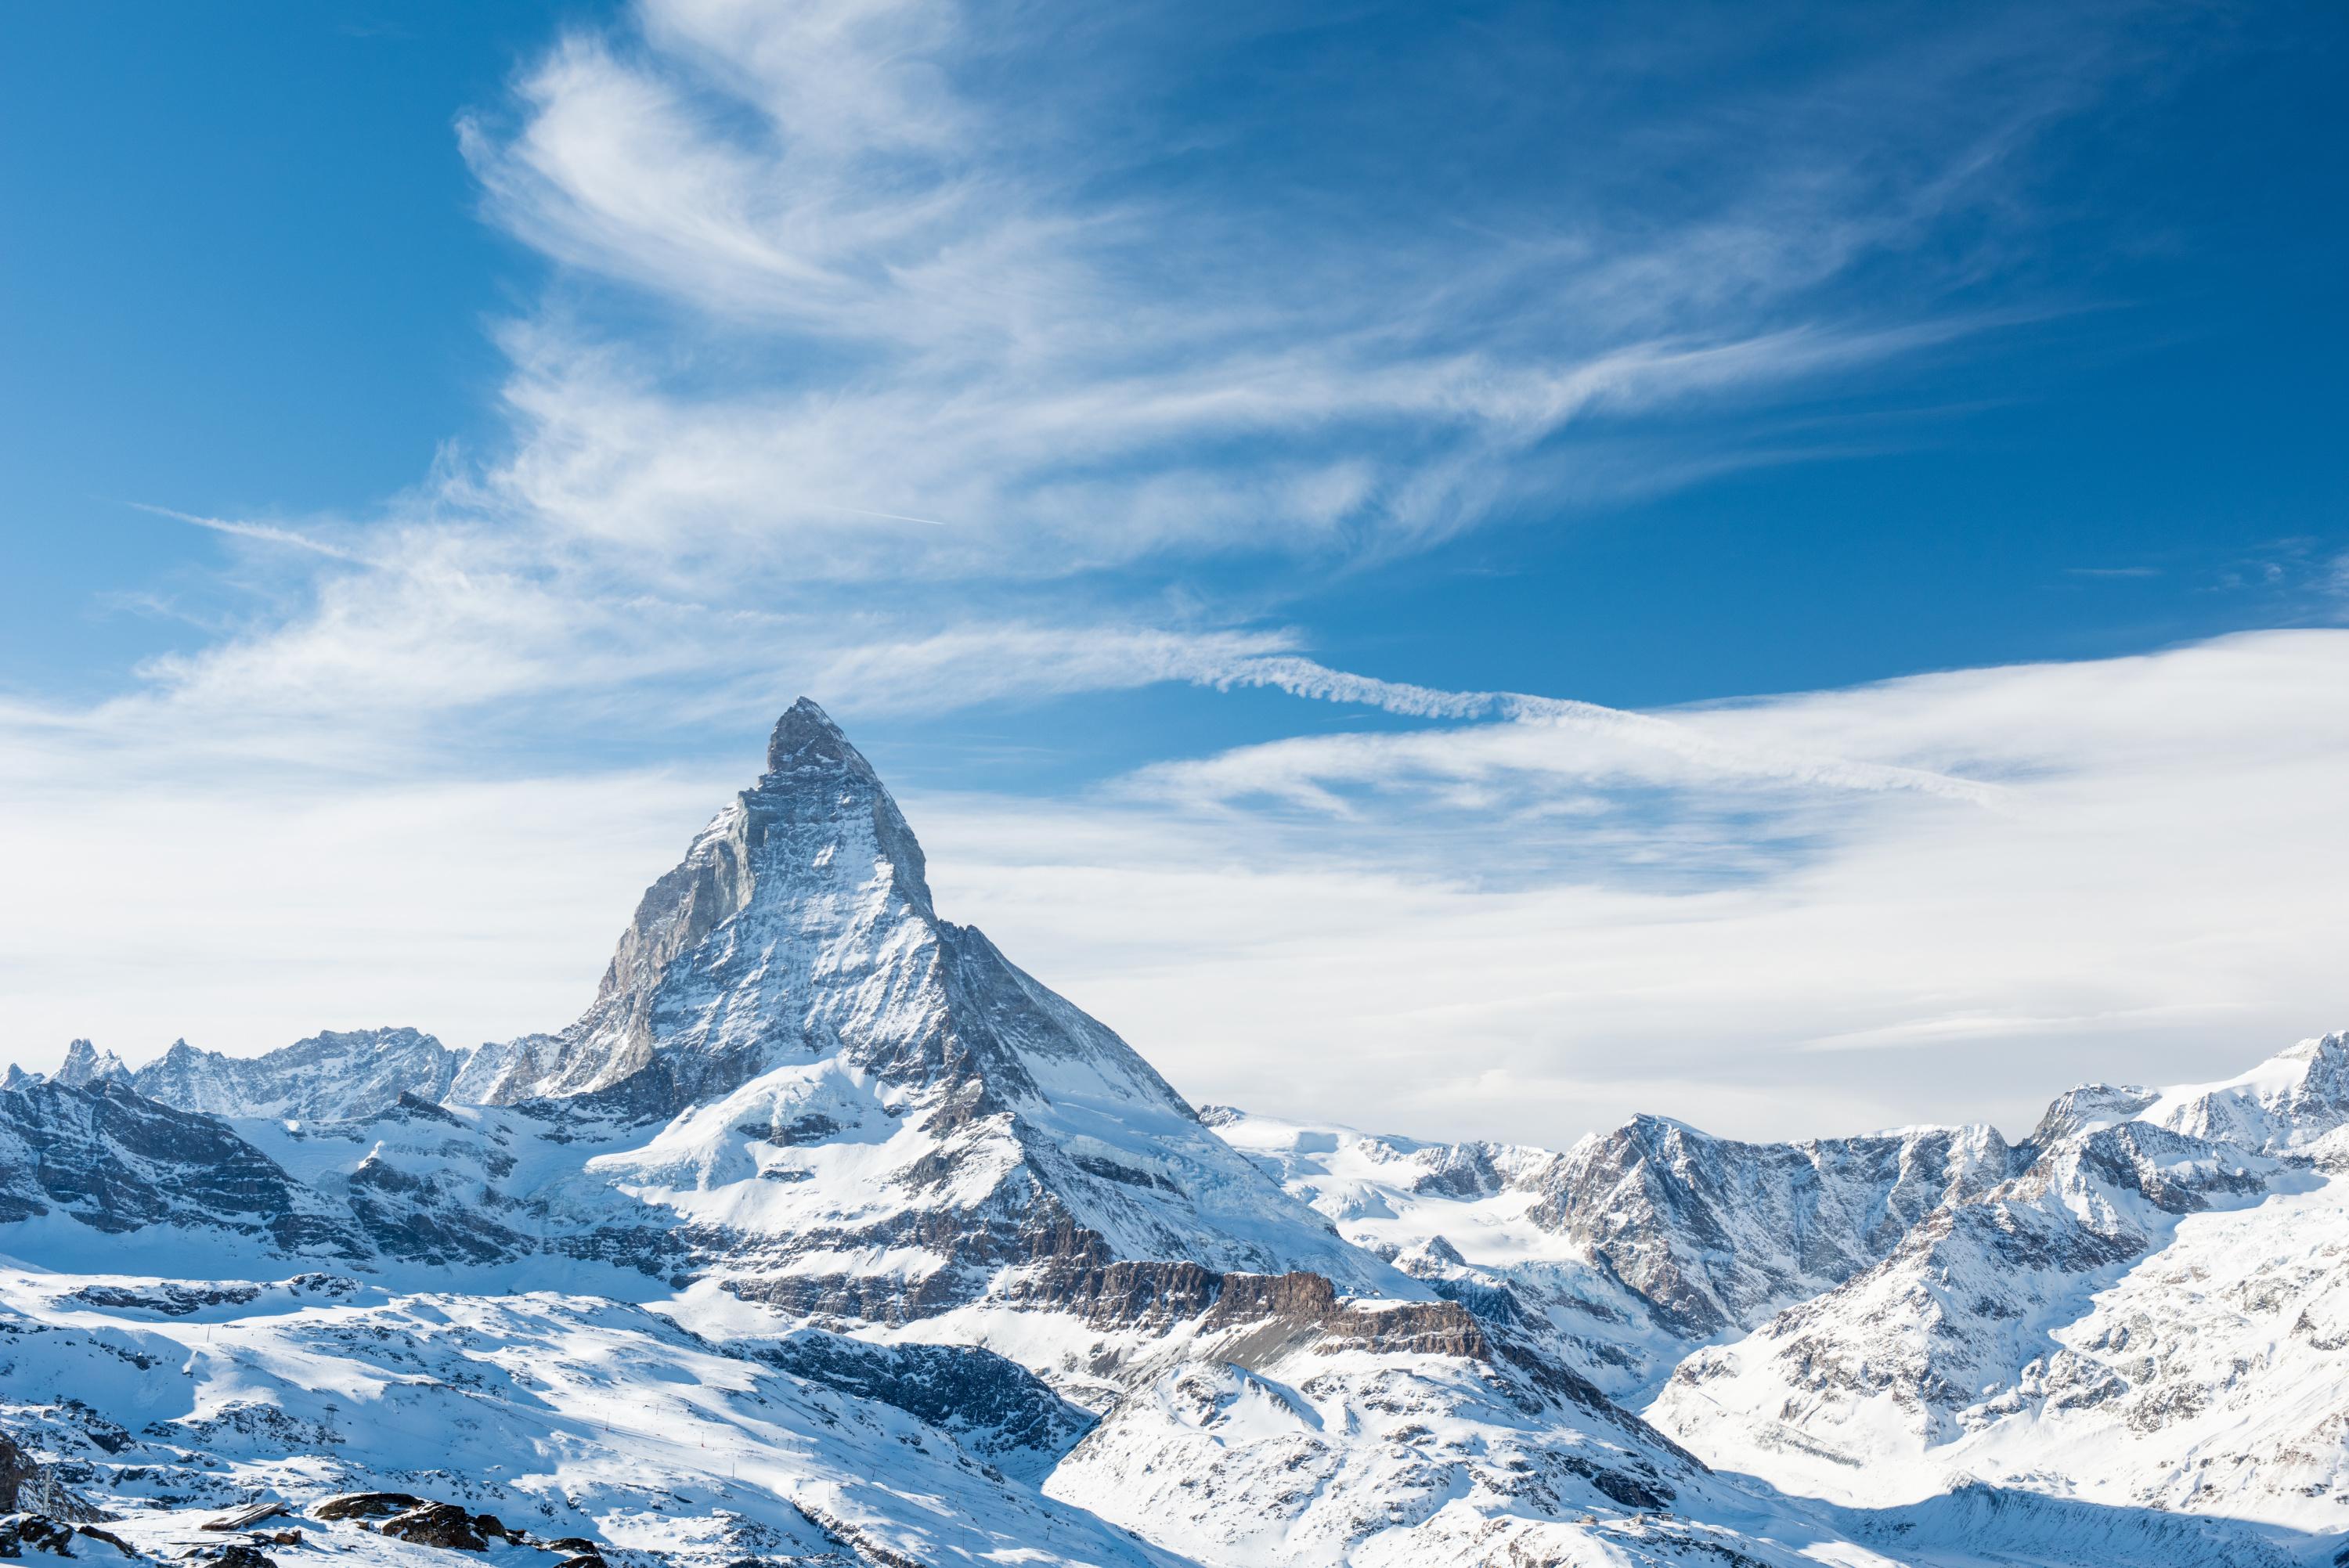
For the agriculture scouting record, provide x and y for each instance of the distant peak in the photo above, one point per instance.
(86, 1064)
(2333, 1045)
(806, 734)
(1647, 1124)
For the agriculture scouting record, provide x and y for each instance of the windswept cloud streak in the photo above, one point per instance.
(1284, 766)
(1003, 329)
(266, 533)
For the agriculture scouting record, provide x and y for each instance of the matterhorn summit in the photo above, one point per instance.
(839, 1065)
(799, 918)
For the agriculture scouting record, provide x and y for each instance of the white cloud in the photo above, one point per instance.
(953, 326)
(2153, 895)
(912, 362)
(249, 911)
(918, 399)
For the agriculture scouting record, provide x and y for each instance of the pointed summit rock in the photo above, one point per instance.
(718, 973)
(86, 1064)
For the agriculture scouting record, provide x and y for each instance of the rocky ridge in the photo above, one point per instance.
(330, 1076)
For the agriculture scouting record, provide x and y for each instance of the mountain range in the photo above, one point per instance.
(826, 1234)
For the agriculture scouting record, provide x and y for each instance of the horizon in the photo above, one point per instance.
(1463, 574)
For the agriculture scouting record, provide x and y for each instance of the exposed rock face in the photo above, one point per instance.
(1955, 1329)
(19, 1473)
(365, 1505)
(445, 1525)
(329, 1076)
(28, 1486)
(235, 1555)
(718, 967)
(21, 1535)
(86, 1066)
(117, 1161)
(1635, 1245)
(1160, 1294)
(1715, 1234)
(994, 1406)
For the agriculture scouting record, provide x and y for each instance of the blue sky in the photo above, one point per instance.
(441, 436)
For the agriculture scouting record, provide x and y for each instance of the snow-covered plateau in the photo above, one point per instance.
(827, 1235)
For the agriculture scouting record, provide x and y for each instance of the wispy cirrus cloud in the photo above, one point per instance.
(879, 324)
(904, 360)
(975, 313)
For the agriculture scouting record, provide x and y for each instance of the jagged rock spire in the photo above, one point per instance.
(789, 984)
(814, 772)
(86, 1064)
(805, 735)
(814, 856)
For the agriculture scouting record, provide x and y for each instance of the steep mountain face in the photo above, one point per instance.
(2149, 1312)
(110, 1162)
(1638, 1244)
(1458, 1218)
(1970, 1296)
(870, 1109)
(1715, 1234)
(330, 1076)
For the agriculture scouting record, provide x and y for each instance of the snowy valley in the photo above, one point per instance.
(829, 1235)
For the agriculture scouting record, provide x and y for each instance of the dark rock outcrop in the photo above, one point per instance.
(994, 1406)
(365, 1505)
(445, 1525)
(118, 1162)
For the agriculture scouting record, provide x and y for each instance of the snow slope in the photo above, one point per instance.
(2143, 1315)
(569, 1416)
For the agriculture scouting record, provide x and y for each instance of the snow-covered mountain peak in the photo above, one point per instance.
(2086, 1108)
(764, 942)
(815, 775)
(86, 1064)
(2292, 1100)
(871, 1104)
(332, 1076)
